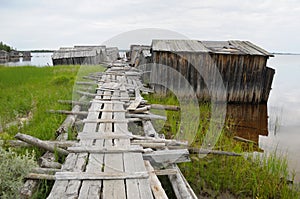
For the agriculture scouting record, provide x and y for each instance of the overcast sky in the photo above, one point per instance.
(49, 24)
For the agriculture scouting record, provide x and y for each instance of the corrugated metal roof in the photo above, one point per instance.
(221, 47)
(178, 46)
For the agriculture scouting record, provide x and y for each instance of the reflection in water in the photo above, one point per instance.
(249, 120)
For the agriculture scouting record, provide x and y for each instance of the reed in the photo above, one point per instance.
(214, 176)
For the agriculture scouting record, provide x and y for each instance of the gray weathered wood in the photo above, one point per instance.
(147, 116)
(167, 156)
(95, 149)
(156, 187)
(41, 144)
(99, 176)
(149, 129)
(103, 135)
(165, 107)
(180, 186)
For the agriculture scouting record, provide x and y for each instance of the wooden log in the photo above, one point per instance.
(49, 171)
(144, 109)
(74, 102)
(244, 140)
(82, 113)
(215, 152)
(156, 187)
(28, 189)
(46, 163)
(62, 131)
(165, 107)
(39, 176)
(41, 144)
(151, 145)
(180, 186)
(19, 143)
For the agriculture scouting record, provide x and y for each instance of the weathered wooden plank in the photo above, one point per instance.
(113, 163)
(136, 188)
(65, 188)
(165, 107)
(107, 102)
(137, 101)
(105, 121)
(180, 186)
(92, 189)
(156, 187)
(103, 135)
(96, 149)
(167, 156)
(147, 116)
(100, 175)
(151, 145)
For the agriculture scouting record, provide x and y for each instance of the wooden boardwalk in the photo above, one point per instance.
(111, 162)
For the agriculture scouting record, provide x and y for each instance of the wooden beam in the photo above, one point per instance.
(41, 144)
(93, 149)
(83, 113)
(180, 186)
(147, 116)
(100, 176)
(74, 102)
(99, 135)
(167, 156)
(165, 107)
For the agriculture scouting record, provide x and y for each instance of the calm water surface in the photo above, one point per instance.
(37, 59)
(284, 111)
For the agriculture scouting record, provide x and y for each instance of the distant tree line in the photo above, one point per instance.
(5, 47)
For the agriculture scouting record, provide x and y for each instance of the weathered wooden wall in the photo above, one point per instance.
(246, 77)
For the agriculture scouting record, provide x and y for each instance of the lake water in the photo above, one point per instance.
(275, 126)
(284, 110)
(37, 59)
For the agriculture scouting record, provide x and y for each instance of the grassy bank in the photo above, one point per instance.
(216, 176)
(26, 93)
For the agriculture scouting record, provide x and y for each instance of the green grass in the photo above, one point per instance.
(28, 92)
(215, 176)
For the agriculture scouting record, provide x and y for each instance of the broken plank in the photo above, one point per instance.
(167, 156)
(156, 187)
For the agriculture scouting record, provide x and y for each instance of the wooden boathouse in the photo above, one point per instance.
(85, 55)
(242, 66)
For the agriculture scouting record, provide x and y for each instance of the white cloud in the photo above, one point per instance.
(49, 24)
